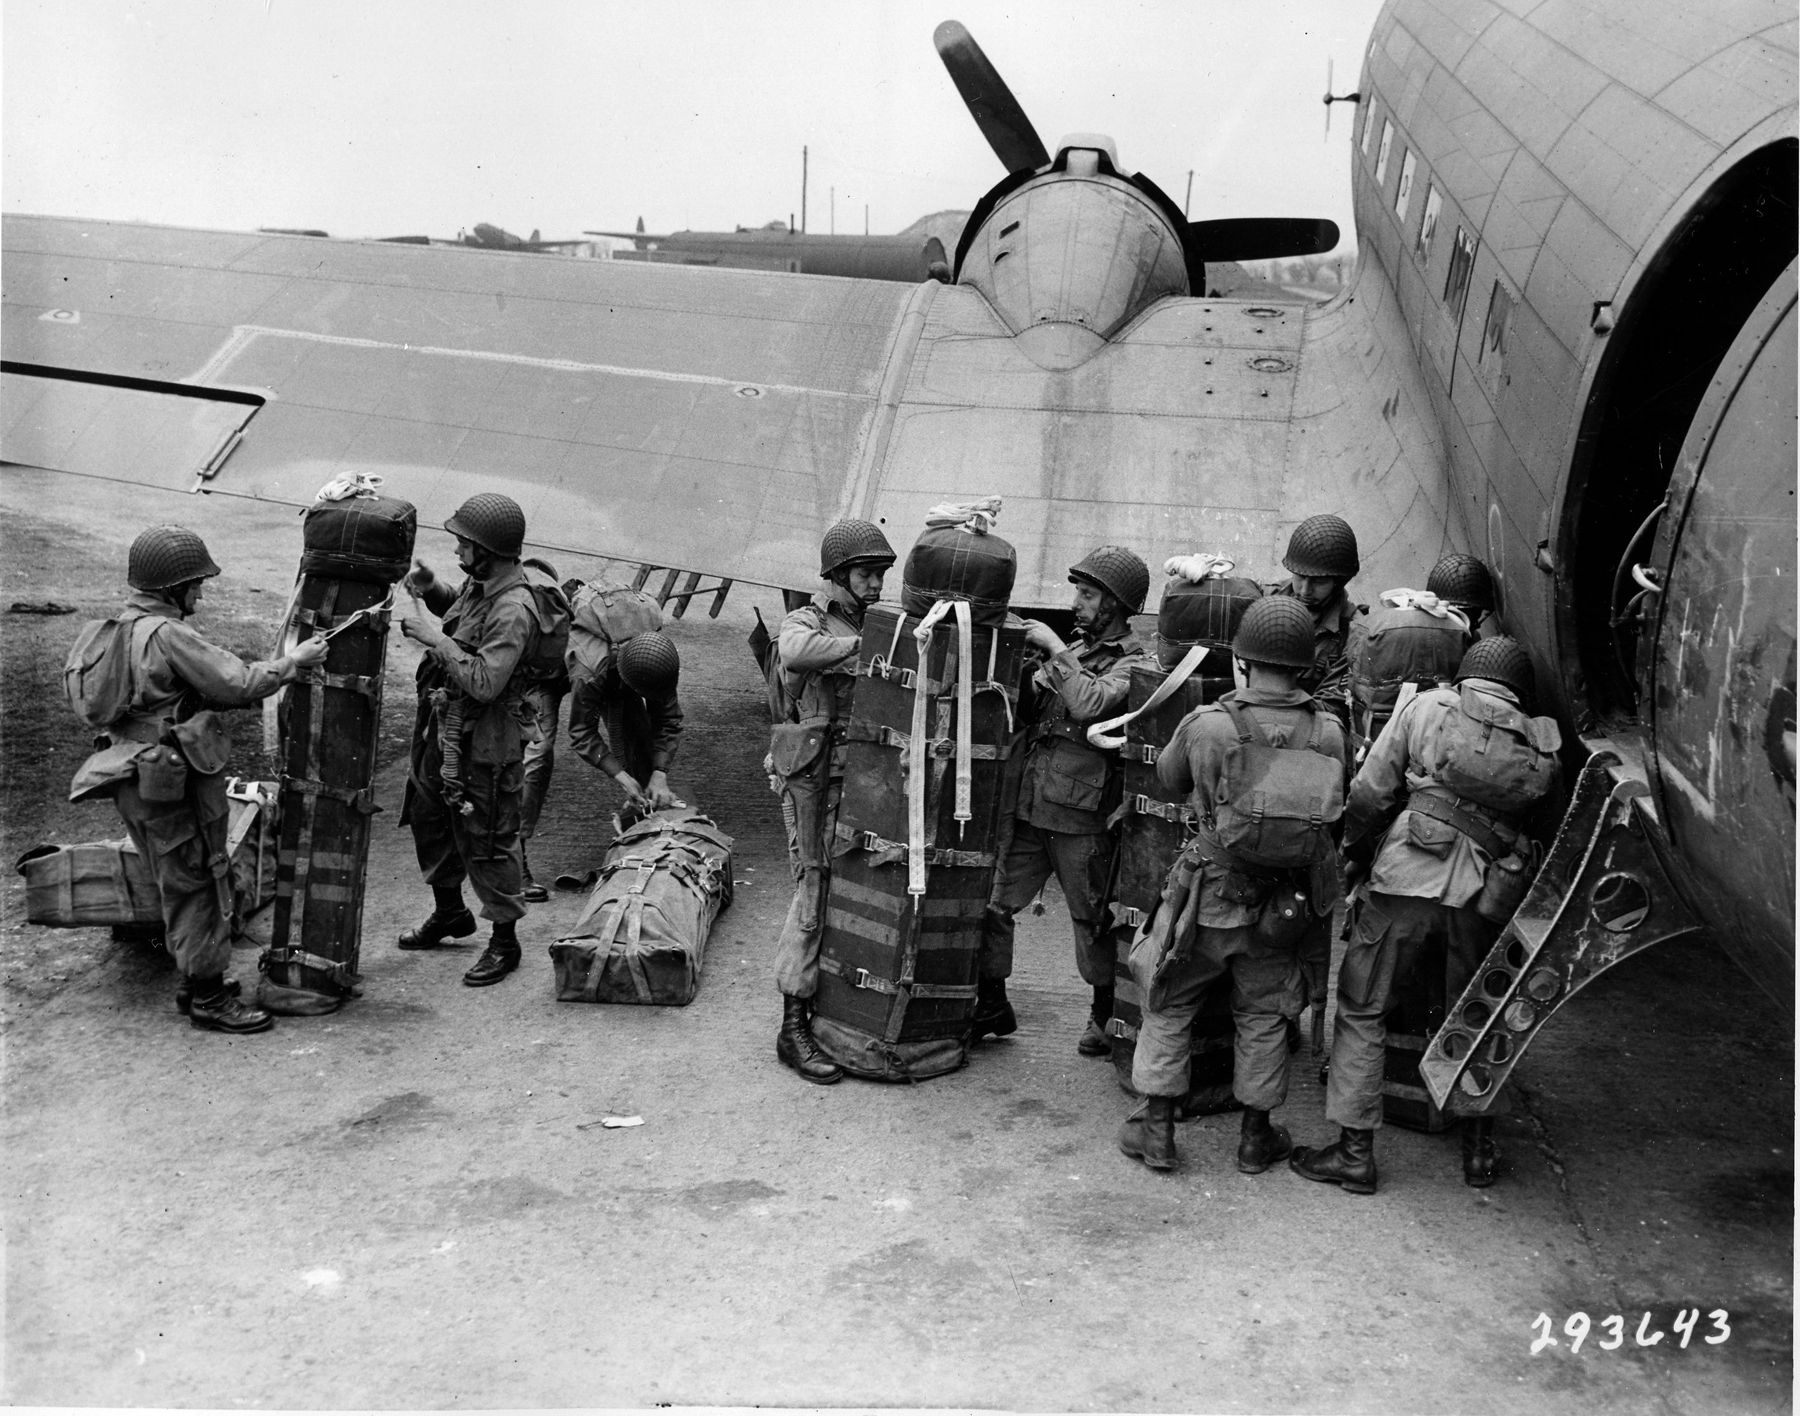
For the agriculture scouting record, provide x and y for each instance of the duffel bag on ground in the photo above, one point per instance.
(95, 883)
(642, 937)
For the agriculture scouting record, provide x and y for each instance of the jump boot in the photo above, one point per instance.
(184, 993)
(1094, 1041)
(1260, 1143)
(531, 892)
(1479, 1152)
(449, 919)
(499, 959)
(993, 1015)
(212, 1007)
(1349, 1161)
(795, 1047)
(1149, 1133)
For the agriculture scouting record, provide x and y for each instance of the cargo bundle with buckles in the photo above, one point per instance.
(928, 744)
(357, 543)
(642, 937)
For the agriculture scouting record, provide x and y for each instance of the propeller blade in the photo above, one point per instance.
(996, 112)
(1258, 238)
(1328, 98)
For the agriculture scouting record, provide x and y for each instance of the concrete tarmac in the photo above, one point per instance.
(409, 1203)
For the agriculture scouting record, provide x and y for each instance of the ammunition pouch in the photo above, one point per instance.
(162, 774)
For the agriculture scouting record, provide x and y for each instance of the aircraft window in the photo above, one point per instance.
(1404, 196)
(1368, 126)
(1387, 141)
(1456, 284)
(1434, 200)
(1493, 337)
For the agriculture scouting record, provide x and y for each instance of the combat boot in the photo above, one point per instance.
(795, 1047)
(530, 891)
(1349, 1161)
(184, 993)
(993, 1015)
(1260, 1143)
(1479, 1152)
(499, 959)
(449, 919)
(1149, 1133)
(212, 1007)
(1094, 1042)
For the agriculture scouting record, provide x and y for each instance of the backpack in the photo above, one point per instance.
(545, 660)
(99, 676)
(1495, 754)
(603, 616)
(1402, 645)
(1275, 806)
(767, 649)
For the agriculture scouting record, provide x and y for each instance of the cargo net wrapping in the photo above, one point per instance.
(927, 746)
(642, 937)
(356, 545)
(1154, 824)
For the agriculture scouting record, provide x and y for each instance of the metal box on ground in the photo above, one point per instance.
(1412, 1020)
(897, 969)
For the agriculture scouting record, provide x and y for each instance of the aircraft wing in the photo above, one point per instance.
(700, 420)
(705, 420)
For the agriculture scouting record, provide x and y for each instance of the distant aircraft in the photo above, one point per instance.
(911, 256)
(495, 238)
(1569, 347)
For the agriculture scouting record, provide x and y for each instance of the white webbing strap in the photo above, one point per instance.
(1104, 736)
(915, 767)
(965, 728)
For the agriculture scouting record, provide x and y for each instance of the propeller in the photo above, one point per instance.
(1331, 98)
(996, 112)
(1259, 238)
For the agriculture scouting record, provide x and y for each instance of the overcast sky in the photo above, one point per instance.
(390, 117)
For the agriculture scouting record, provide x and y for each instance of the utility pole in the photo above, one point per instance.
(1190, 193)
(833, 230)
(865, 218)
(803, 191)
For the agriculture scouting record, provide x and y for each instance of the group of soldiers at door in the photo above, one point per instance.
(152, 685)
(492, 667)
(1440, 805)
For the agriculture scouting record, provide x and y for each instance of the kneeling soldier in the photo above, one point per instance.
(1266, 766)
(1466, 763)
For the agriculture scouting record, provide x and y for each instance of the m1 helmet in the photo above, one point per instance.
(166, 556)
(1322, 545)
(1276, 629)
(1504, 660)
(852, 542)
(492, 521)
(1462, 579)
(649, 663)
(1116, 570)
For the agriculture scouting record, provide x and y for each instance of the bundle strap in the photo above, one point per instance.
(965, 725)
(1104, 735)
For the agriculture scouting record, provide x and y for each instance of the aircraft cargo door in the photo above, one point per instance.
(1720, 678)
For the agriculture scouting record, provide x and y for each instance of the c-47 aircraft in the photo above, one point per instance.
(912, 255)
(1570, 348)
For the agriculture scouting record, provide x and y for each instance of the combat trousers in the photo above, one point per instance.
(1265, 992)
(481, 847)
(1394, 937)
(185, 843)
(1081, 863)
(540, 756)
(797, 948)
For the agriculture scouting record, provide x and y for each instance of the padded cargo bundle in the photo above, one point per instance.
(956, 562)
(329, 720)
(925, 792)
(109, 883)
(642, 937)
(1154, 823)
(1205, 612)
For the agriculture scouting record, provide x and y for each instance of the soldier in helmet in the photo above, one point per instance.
(1466, 766)
(1464, 582)
(1321, 558)
(1069, 788)
(164, 762)
(490, 627)
(625, 717)
(1240, 896)
(817, 651)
